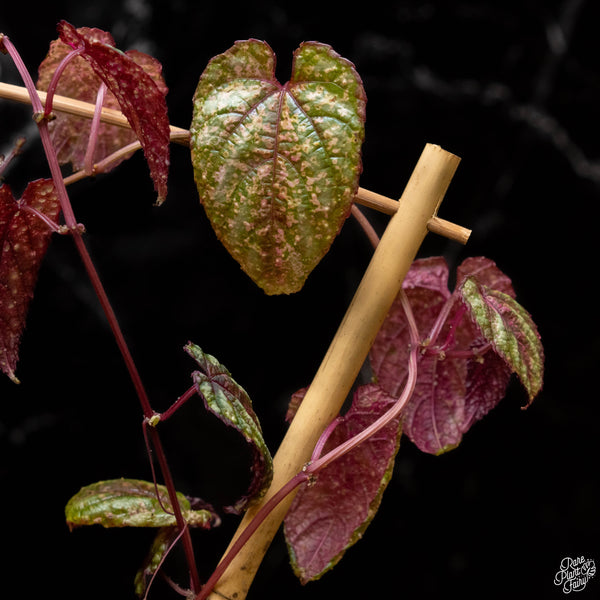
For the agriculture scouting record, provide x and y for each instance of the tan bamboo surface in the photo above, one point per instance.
(182, 136)
(348, 350)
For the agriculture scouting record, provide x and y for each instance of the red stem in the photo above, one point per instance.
(72, 225)
(260, 516)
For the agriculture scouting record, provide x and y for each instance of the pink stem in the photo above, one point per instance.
(323, 439)
(393, 412)
(56, 76)
(88, 161)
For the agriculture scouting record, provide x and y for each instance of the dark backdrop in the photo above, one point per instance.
(513, 88)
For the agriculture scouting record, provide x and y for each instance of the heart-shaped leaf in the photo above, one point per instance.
(277, 166)
(24, 240)
(331, 514)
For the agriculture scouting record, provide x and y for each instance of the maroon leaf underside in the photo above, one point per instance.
(451, 394)
(24, 240)
(331, 514)
(70, 133)
(139, 98)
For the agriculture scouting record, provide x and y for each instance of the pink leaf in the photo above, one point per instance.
(426, 285)
(79, 81)
(434, 417)
(331, 514)
(462, 374)
(140, 99)
(24, 240)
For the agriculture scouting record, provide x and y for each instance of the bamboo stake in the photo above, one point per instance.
(182, 136)
(82, 109)
(378, 289)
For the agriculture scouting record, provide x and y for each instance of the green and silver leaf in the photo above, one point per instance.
(509, 328)
(129, 503)
(277, 166)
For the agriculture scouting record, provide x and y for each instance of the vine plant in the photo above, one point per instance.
(277, 169)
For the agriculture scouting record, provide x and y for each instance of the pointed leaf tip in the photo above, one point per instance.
(277, 166)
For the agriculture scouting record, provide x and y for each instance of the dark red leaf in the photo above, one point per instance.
(24, 240)
(139, 98)
(331, 514)
(70, 133)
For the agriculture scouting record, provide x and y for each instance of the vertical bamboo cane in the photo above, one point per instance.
(378, 289)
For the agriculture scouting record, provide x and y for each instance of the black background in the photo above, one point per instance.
(512, 88)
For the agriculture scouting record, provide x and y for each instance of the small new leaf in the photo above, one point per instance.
(24, 239)
(140, 99)
(277, 166)
(510, 329)
(130, 503)
(331, 514)
(226, 399)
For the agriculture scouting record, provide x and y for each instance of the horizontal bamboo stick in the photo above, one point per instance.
(182, 136)
(82, 109)
(348, 350)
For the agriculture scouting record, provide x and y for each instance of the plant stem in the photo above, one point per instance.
(181, 523)
(189, 393)
(56, 76)
(239, 543)
(88, 160)
(411, 380)
(72, 225)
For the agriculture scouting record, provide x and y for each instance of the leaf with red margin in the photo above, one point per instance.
(277, 166)
(331, 514)
(508, 327)
(228, 400)
(70, 133)
(24, 239)
(140, 99)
